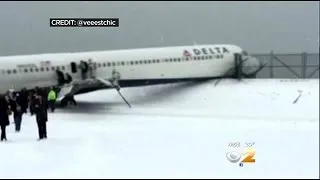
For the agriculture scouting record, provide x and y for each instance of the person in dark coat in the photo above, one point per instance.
(16, 107)
(4, 116)
(32, 100)
(24, 100)
(41, 116)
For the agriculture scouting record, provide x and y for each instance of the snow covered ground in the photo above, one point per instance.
(174, 131)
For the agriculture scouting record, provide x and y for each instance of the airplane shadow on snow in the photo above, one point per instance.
(155, 95)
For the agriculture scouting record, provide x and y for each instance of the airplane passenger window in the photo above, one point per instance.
(42, 69)
(202, 57)
(145, 61)
(187, 59)
(122, 63)
(149, 61)
(113, 64)
(118, 63)
(31, 70)
(47, 69)
(108, 64)
(131, 62)
(52, 68)
(141, 62)
(62, 67)
(179, 59)
(14, 71)
(158, 61)
(57, 68)
(137, 62)
(166, 60)
(8, 72)
(104, 64)
(37, 69)
(25, 70)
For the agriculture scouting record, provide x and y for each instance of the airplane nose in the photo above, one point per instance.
(251, 66)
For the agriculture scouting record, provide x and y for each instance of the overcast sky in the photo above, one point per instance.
(255, 26)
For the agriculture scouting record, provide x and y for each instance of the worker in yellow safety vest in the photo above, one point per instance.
(52, 97)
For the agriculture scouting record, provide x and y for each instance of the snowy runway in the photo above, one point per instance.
(174, 131)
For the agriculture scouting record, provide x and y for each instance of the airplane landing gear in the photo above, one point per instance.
(68, 100)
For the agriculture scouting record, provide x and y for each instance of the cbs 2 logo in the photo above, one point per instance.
(235, 156)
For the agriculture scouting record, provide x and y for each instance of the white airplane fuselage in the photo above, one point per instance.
(136, 66)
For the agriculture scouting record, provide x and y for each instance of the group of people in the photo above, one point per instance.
(17, 104)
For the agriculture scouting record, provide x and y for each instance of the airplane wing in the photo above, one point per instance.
(76, 86)
(94, 83)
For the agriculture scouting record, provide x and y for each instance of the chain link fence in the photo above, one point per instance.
(289, 66)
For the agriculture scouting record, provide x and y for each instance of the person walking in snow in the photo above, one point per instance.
(41, 115)
(52, 97)
(16, 107)
(4, 116)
